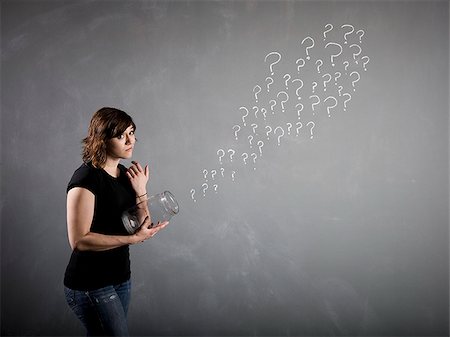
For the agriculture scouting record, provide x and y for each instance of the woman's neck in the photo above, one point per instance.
(111, 167)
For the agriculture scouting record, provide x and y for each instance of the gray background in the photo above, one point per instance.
(342, 234)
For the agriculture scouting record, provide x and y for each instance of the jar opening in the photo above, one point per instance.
(169, 202)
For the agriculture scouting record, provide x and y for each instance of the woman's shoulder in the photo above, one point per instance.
(87, 176)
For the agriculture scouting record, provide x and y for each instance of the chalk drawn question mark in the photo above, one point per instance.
(283, 101)
(333, 56)
(220, 156)
(222, 170)
(312, 127)
(205, 174)
(215, 187)
(347, 100)
(278, 59)
(243, 117)
(346, 64)
(301, 86)
(314, 85)
(245, 156)
(327, 31)
(233, 174)
(281, 135)
(289, 127)
(326, 81)
(301, 65)
(340, 89)
(254, 127)
(264, 113)
(213, 174)
(272, 103)
(337, 75)
(349, 32)
(357, 79)
(260, 145)
(299, 126)
(364, 63)
(356, 54)
(270, 82)
(257, 91)
(236, 129)
(256, 109)
(231, 152)
(269, 130)
(286, 78)
(307, 48)
(314, 104)
(254, 156)
(319, 63)
(332, 106)
(192, 195)
(250, 139)
(205, 187)
(360, 35)
(299, 109)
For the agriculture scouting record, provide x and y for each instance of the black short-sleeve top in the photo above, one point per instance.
(89, 270)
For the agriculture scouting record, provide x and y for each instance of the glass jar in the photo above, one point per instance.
(162, 207)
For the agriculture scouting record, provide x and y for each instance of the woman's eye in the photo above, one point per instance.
(132, 133)
(120, 136)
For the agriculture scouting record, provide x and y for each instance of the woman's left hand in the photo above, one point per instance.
(138, 177)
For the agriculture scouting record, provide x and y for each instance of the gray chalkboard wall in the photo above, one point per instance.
(329, 217)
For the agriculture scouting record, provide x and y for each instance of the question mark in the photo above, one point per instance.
(233, 173)
(333, 56)
(326, 81)
(268, 84)
(282, 134)
(192, 195)
(222, 170)
(264, 112)
(254, 127)
(215, 188)
(349, 32)
(220, 156)
(337, 75)
(236, 131)
(260, 145)
(312, 127)
(205, 187)
(254, 156)
(232, 152)
(299, 126)
(286, 78)
(245, 156)
(353, 82)
(243, 117)
(205, 173)
(289, 126)
(360, 35)
(269, 130)
(314, 104)
(272, 105)
(301, 86)
(299, 110)
(307, 48)
(318, 66)
(302, 61)
(333, 106)
(250, 138)
(213, 174)
(258, 90)
(282, 102)
(314, 85)
(345, 102)
(346, 63)
(364, 63)
(275, 62)
(340, 89)
(327, 31)
(256, 109)
(356, 54)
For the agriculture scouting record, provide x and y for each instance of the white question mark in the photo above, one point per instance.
(269, 130)
(346, 63)
(318, 66)
(243, 117)
(356, 54)
(254, 127)
(353, 82)
(307, 48)
(299, 110)
(273, 103)
(222, 170)
(364, 63)
(231, 152)
(264, 112)
(286, 78)
(289, 127)
(254, 156)
(245, 156)
(220, 156)
(268, 84)
(213, 174)
(236, 129)
(340, 89)
(258, 90)
(332, 106)
(349, 32)
(282, 133)
(337, 75)
(312, 127)
(205, 187)
(192, 195)
(250, 138)
(348, 99)
(314, 85)
(299, 66)
(215, 187)
(360, 35)
(233, 173)
(314, 104)
(333, 56)
(205, 173)
(299, 126)
(256, 109)
(284, 101)
(326, 81)
(260, 145)
(327, 31)
(275, 62)
(301, 86)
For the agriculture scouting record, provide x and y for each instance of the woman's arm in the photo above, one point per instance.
(80, 212)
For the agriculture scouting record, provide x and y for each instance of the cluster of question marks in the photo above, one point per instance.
(291, 99)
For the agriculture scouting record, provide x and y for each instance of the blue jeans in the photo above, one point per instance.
(102, 311)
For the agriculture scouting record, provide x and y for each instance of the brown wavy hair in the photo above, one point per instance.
(105, 124)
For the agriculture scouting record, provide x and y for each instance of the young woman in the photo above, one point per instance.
(97, 278)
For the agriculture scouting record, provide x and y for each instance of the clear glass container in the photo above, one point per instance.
(162, 206)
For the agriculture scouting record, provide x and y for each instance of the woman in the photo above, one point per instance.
(97, 279)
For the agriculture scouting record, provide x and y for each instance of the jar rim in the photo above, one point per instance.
(170, 203)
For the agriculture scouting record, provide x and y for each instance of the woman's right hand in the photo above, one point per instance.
(147, 231)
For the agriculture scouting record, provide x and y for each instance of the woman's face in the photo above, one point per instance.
(121, 147)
